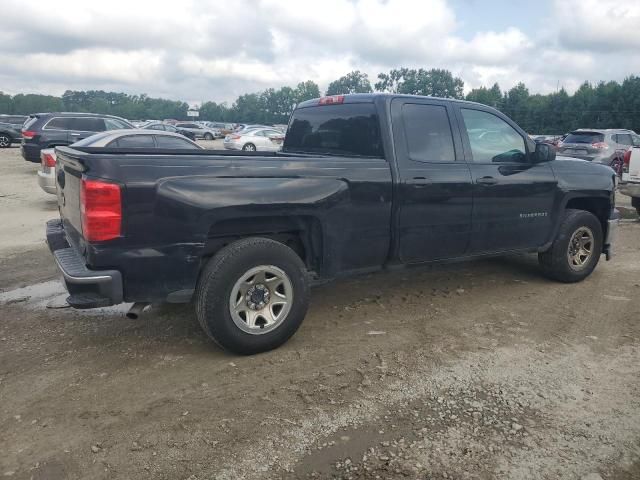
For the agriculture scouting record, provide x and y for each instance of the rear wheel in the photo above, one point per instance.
(252, 296)
(249, 147)
(208, 136)
(576, 250)
(5, 141)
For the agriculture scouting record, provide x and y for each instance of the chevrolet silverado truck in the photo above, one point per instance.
(364, 182)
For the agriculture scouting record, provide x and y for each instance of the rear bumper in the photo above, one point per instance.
(30, 152)
(612, 234)
(47, 181)
(87, 288)
(629, 189)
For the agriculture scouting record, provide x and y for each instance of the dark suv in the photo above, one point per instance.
(46, 130)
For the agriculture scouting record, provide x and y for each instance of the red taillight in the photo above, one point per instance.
(626, 160)
(234, 137)
(48, 160)
(28, 134)
(600, 145)
(331, 100)
(101, 209)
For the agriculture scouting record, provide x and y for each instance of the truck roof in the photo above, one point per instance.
(370, 97)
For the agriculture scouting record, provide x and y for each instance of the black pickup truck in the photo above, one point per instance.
(363, 182)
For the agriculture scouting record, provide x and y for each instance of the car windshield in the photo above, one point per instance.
(346, 129)
(584, 137)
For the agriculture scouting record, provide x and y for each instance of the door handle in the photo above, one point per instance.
(486, 181)
(418, 181)
(75, 134)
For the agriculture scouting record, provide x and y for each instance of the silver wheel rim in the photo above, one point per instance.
(4, 141)
(261, 299)
(250, 148)
(580, 248)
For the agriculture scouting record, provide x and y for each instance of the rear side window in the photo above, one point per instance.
(346, 129)
(87, 124)
(428, 133)
(58, 123)
(134, 141)
(623, 139)
(173, 142)
(584, 137)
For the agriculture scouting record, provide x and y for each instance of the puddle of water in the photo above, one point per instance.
(53, 295)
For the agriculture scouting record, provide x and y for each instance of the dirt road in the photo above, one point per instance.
(479, 370)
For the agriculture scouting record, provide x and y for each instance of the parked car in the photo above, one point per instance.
(630, 181)
(166, 127)
(9, 133)
(351, 192)
(199, 131)
(225, 128)
(46, 172)
(46, 130)
(598, 146)
(130, 139)
(259, 139)
(17, 120)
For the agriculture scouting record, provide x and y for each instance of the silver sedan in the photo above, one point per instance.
(134, 139)
(259, 139)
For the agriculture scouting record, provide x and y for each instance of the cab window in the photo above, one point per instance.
(493, 140)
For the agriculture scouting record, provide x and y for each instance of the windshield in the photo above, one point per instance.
(584, 137)
(347, 129)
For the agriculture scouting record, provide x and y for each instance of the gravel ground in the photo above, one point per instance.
(479, 370)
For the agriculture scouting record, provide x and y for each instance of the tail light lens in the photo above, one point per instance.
(28, 134)
(48, 160)
(600, 145)
(101, 210)
(331, 100)
(626, 160)
(234, 137)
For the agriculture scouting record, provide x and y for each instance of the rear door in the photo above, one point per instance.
(55, 131)
(83, 127)
(434, 185)
(513, 196)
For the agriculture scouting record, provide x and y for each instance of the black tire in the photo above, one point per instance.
(249, 147)
(216, 283)
(5, 140)
(555, 261)
(208, 136)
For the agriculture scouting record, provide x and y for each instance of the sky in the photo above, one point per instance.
(213, 50)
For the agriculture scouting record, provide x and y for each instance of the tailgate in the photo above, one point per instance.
(68, 180)
(633, 173)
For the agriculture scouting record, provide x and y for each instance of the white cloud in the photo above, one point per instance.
(202, 50)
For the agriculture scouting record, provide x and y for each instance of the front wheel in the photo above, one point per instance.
(5, 141)
(249, 147)
(252, 296)
(576, 250)
(208, 136)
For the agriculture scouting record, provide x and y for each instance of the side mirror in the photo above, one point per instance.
(544, 153)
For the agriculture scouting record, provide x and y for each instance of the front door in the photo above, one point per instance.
(434, 190)
(513, 196)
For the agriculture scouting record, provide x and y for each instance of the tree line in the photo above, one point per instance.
(604, 105)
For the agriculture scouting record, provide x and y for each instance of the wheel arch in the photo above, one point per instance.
(302, 233)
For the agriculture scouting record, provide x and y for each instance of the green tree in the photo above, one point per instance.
(435, 82)
(306, 91)
(352, 82)
(487, 96)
